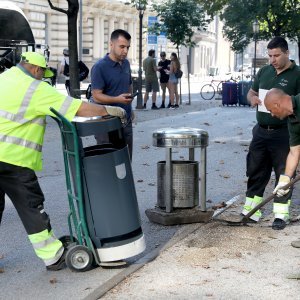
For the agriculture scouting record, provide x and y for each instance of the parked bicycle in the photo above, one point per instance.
(209, 90)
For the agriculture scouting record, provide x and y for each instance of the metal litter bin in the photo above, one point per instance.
(178, 181)
(110, 198)
(104, 215)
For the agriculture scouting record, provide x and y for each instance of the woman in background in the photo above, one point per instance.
(173, 80)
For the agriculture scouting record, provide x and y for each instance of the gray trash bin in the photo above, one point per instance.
(185, 185)
(111, 205)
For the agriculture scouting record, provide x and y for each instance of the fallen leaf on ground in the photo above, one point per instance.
(220, 205)
(205, 123)
(1, 270)
(145, 164)
(221, 162)
(145, 147)
(1, 256)
(151, 184)
(53, 280)
(140, 180)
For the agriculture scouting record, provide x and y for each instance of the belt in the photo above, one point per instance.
(273, 127)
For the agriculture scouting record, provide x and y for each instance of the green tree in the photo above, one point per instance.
(72, 13)
(275, 17)
(179, 19)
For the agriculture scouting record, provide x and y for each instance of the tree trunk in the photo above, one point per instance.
(72, 12)
(73, 52)
(298, 43)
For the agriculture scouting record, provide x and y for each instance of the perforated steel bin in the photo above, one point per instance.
(178, 181)
(185, 193)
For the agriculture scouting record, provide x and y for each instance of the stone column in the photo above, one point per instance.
(101, 37)
(111, 25)
(133, 41)
(96, 37)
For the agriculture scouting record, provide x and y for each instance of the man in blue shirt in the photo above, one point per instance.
(111, 81)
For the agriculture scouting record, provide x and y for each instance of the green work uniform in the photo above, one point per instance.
(294, 122)
(267, 78)
(270, 143)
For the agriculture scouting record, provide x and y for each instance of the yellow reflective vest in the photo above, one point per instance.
(24, 105)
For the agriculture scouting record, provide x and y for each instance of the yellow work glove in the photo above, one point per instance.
(283, 180)
(116, 112)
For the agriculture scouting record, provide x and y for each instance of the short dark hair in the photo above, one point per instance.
(120, 32)
(278, 42)
(163, 53)
(151, 52)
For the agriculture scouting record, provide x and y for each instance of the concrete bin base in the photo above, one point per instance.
(179, 216)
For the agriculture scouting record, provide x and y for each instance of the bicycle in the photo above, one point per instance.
(209, 90)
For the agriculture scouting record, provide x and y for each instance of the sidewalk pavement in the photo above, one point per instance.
(216, 261)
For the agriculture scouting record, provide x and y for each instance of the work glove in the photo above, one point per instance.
(116, 112)
(283, 180)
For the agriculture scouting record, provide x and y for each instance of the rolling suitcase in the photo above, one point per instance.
(229, 93)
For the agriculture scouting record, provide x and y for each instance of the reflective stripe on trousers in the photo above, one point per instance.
(46, 246)
(250, 204)
(281, 210)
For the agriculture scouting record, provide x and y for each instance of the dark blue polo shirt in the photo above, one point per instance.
(112, 78)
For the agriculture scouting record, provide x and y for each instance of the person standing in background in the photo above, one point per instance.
(111, 81)
(151, 80)
(173, 81)
(163, 66)
(64, 69)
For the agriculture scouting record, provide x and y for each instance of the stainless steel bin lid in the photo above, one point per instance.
(180, 137)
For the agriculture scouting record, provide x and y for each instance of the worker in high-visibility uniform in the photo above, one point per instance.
(24, 104)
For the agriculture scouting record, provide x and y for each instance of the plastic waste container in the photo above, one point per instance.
(243, 89)
(103, 174)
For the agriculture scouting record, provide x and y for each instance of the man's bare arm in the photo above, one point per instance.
(102, 98)
(252, 98)
(292, 161)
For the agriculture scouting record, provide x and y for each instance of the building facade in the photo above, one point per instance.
(98, 18)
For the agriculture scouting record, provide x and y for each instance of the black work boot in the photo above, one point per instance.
(60, 264)
(162, 105)
(278, 224)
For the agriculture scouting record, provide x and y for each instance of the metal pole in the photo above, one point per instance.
(139, 104)
(254, 67)
(169, 181)
(203, 178)
(80, 30)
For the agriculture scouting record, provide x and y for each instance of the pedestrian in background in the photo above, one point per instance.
(269, 147)
(151, 80)
(22, 128)
(283, 106)
(111, 82)
(163, 66)
(173, 81)
(64, 69)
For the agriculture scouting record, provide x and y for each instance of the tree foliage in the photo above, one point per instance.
(72, 13)
(179, 19)
(275, 17)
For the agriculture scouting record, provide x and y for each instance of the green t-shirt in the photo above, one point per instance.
(294, 122)
(267, 78)
(149, 66)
